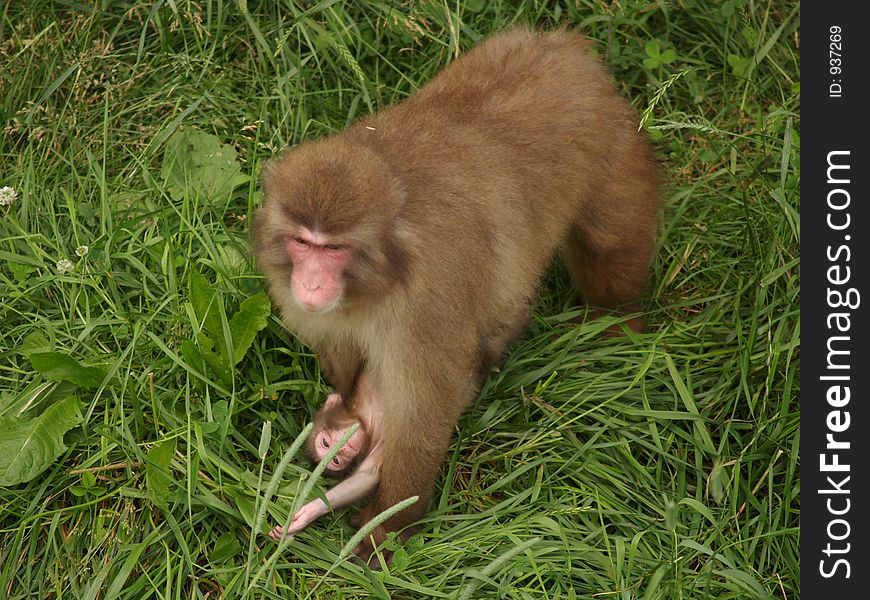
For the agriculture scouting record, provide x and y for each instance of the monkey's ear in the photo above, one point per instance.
(267, 172)
(333, 401)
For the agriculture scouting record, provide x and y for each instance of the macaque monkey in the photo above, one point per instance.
(361, 453)
(410, 246)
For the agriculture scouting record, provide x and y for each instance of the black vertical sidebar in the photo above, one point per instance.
(835, 300)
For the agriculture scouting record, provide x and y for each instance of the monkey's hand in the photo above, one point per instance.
(301, 519)
(277, 533)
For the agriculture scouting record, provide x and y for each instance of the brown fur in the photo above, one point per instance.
(455, 201)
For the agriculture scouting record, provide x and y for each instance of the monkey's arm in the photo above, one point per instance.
(342, 364)
(353, 489)
(357, 487)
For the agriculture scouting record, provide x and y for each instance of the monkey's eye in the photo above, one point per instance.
(334, 247)
(325, 443)
(300, 240)
(336, 462)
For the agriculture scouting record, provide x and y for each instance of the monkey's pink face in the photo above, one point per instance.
(327, 438)
(318, 263)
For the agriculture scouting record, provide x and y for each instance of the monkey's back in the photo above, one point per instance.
(513, 143)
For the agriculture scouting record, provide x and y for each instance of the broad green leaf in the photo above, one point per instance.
(89, 480)
(216, 362)
(34, 343)
(195, 163)
(200, 359)
(211, 343)
(230, 259)
(252, 316)
(28, 447)
(205, 306)
(226, 547)
(34, 398)
(739, 64)
(400, 559)
(78, 491)
(21, 272)
(192, 356)
(245, 506)
(158, 477)
(208, 428)
(55, 366)
(220, 411)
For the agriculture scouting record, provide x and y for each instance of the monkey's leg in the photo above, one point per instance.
(496, 342)
(609, 260)
(418, 426)
(408, 470)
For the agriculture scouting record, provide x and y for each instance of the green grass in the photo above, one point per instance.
(662, 465)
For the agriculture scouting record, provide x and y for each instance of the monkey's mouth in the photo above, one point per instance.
(316, 309)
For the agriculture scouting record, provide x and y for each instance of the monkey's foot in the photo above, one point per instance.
(636, 324)
(365, 550)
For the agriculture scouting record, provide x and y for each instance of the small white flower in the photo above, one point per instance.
(82, 251)
(64, 266)
(7, 195)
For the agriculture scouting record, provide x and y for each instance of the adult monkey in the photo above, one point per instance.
(410, 245)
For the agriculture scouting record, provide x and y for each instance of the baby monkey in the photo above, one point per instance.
(362, 453)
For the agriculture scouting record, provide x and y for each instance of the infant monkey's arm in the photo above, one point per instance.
(357, 487)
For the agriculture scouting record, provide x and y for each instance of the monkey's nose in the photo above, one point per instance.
(310, 288)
